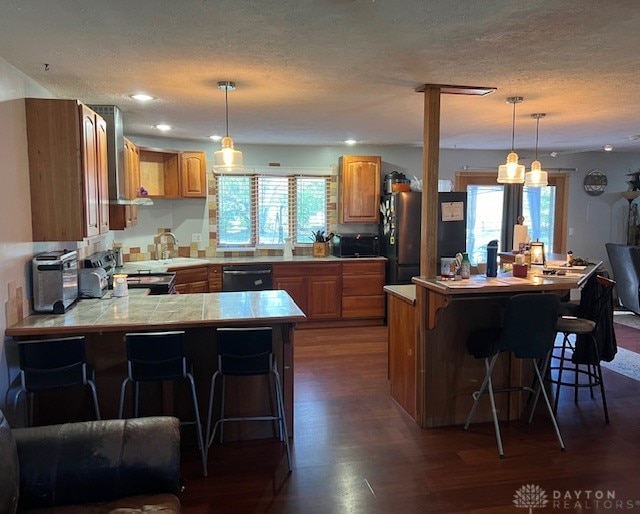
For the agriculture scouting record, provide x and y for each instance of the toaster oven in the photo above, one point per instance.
(55, 281)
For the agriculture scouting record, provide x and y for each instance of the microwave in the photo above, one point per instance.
(356, 245)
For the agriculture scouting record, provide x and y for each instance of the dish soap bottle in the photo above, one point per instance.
(465, 266)
(288, 249)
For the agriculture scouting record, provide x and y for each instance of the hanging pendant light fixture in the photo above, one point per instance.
(536, 177)
(227, 158)
(511, 172)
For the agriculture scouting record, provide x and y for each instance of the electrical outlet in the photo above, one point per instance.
(196, 238)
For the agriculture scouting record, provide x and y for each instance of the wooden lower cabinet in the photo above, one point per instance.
(215, 278)
(316, 288)
(362, 289)
(192, 279)
(403, 333)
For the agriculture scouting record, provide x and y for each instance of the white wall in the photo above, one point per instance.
(16, 248)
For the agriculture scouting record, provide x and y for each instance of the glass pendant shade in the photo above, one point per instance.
(511, 172)
(536, 177)
(227, 158)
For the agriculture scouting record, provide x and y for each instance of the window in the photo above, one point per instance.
(543, 210)
(263, 210)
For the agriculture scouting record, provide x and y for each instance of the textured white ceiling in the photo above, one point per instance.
(321, 71)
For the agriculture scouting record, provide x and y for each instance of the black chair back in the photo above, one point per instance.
(530, 325)
(155, 356)
(52, 363)
(244, 351)
(625, 266)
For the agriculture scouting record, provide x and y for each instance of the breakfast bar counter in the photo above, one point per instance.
(105, 321)
(446, 313)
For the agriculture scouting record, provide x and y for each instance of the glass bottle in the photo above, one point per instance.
(465, 266)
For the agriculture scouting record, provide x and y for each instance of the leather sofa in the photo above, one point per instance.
(625, 266)
(106, 466)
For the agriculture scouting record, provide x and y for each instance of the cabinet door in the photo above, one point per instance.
(297, 289)
(193, 174)
(132, 180)
(359, 188)
(90, 172)
(323, 297)
(103, 174)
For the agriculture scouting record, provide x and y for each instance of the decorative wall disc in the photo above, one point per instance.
(595, 183)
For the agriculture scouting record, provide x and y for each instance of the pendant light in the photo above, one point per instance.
(227, 158)
(511, 172)
(536, 177)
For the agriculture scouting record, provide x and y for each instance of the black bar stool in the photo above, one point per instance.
(247, 352)
(529, 332)
(580, 358)
(49, 364)
(159, 357)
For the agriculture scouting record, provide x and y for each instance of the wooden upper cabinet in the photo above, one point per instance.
(359, 188)
(126, 216)
(173, 174)
(67, 170)
(193, 174)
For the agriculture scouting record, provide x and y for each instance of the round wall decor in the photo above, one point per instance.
(595, 183)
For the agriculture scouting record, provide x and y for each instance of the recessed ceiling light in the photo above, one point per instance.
(163, 127)
(142, 97)
(350, 142)
(608, 148)
(215, 138)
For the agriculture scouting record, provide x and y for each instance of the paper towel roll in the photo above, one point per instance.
(520, 235)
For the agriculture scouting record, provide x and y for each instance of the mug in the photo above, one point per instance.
(120, 287)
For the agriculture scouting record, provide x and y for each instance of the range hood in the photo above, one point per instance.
(115, 156)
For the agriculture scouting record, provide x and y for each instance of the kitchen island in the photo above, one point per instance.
(445, 374)
(105, 321)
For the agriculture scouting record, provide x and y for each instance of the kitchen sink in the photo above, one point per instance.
(164, 264)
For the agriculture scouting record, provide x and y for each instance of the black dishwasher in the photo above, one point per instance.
(247, 277)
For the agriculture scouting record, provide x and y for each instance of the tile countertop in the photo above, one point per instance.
(406, 292)
(136, 312)
(179, 262)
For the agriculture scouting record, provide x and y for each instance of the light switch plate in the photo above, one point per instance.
(196, 238)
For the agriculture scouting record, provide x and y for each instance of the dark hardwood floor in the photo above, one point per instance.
(356, 451)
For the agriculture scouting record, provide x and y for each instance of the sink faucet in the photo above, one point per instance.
(166, 254)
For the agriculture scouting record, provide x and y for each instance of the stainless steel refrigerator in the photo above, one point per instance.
(400, 231)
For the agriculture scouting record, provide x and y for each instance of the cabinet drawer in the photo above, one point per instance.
(305, 270)
(191, 274)
(362, 268)
(363, 306)
(362, 285)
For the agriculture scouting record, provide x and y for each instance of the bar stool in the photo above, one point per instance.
(528, 332)
(49, 364)
(159, 357)
(247, 352)
(584, 356)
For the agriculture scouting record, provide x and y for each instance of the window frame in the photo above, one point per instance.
(559, 180)
(292, 190)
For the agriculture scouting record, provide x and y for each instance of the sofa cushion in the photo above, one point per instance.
(8, 469)
(152, 504)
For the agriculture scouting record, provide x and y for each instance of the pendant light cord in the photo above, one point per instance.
(513, 126)
(537, 127)
(226, 107)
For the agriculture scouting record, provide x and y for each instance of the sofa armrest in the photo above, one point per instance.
(98, 460)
